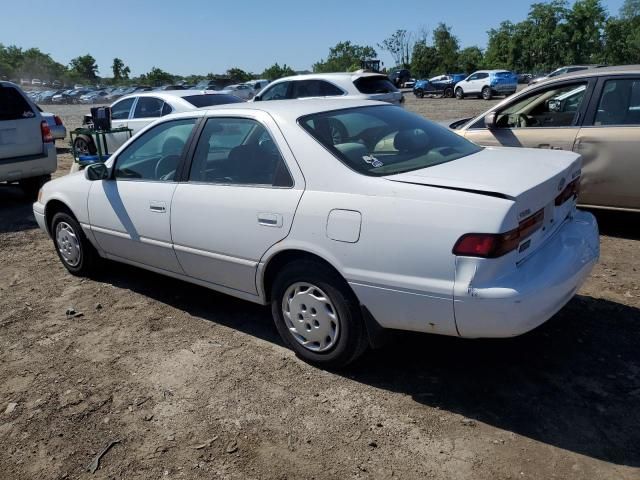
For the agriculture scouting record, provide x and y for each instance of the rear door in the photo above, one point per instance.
(609, 142)
(547, 118)
(20, 133)
(239, 198)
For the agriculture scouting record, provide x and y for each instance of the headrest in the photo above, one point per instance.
(411, 140)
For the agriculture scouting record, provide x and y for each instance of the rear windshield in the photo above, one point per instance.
(370, 85)
(211, 100)
(385, 140)
(13, 106)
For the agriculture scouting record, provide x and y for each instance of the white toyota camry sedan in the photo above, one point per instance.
(348, 218)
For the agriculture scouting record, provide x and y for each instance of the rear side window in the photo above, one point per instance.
(314, 88)
(370, 85)
(148, 107)
(619, 103)
(211, 100)
(13, 106)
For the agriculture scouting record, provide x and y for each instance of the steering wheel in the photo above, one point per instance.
(524, 120)
(166, 167)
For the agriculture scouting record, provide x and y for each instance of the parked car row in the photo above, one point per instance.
(483, 84)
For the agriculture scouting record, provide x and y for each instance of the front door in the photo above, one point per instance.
(548, 118)
(609, 142)
(120, 112)
(239, 199)
(130, 212)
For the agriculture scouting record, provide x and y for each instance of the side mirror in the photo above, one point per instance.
(257, 98)
(96, 171)
(490, 120)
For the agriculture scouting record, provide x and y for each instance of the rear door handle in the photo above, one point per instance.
(270, 219)
(157, 207)
(549, 146)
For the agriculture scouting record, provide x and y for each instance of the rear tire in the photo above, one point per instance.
(459, 93)
(419, 93)
(75, 251)
(487, 94)
(448, 92)
(83, 145)
(317, 314)
(31, 186)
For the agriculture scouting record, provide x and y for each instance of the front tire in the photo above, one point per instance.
(459, 93)
(487, 94)
(419, 93)
(317, 315)
(72, 246)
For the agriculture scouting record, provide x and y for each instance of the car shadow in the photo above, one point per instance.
(573, 383)
(16, 210)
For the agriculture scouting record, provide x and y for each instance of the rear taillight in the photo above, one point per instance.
(494, 245)
(570, 191)
(46, 132)
(58, 120)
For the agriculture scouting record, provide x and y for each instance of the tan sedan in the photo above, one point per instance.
(595, 113)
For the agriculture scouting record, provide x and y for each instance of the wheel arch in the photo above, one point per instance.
(273, 264)
(54, 206)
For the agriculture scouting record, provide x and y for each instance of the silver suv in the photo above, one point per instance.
(27, 151)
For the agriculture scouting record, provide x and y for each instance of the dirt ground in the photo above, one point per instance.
(196, 385)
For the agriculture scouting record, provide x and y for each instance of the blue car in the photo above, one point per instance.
(440, 85)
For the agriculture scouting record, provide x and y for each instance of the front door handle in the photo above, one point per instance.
(157, 207)
(270, 219)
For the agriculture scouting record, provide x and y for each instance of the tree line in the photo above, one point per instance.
(553, 34)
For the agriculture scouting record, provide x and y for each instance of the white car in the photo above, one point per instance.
(138, 110)
(245, 92)
(403, 224)
(27, 151)
(487, 83)
(349, 86)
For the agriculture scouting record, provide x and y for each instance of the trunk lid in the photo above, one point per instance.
(531, 178)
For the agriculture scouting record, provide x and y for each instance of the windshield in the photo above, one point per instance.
(211, 100)
(385, 140)
(503, 74)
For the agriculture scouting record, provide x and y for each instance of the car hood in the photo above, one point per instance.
(500, 171)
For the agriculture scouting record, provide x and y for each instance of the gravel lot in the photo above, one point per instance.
(193, 384)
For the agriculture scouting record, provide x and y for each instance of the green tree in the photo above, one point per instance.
(120, 70)
(630, 10)
(156, 77)
(344, 57)
(276, 71)
(424, 59)
(585, 23)
(470, 59)
(238, 75)
(84, 67)
(399, 45)
(447, 48)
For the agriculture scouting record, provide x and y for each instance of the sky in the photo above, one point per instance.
(200, 36)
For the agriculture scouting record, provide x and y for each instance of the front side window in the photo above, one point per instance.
(277, 92)
(619, 103)
(121, 109)
(385, 140)
(148, 107)
(553, 107)
(155, 154)
(238, 151)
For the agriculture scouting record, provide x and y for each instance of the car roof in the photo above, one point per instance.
(330, 76)
(594, 72)
(294, 109)
(171, 94)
